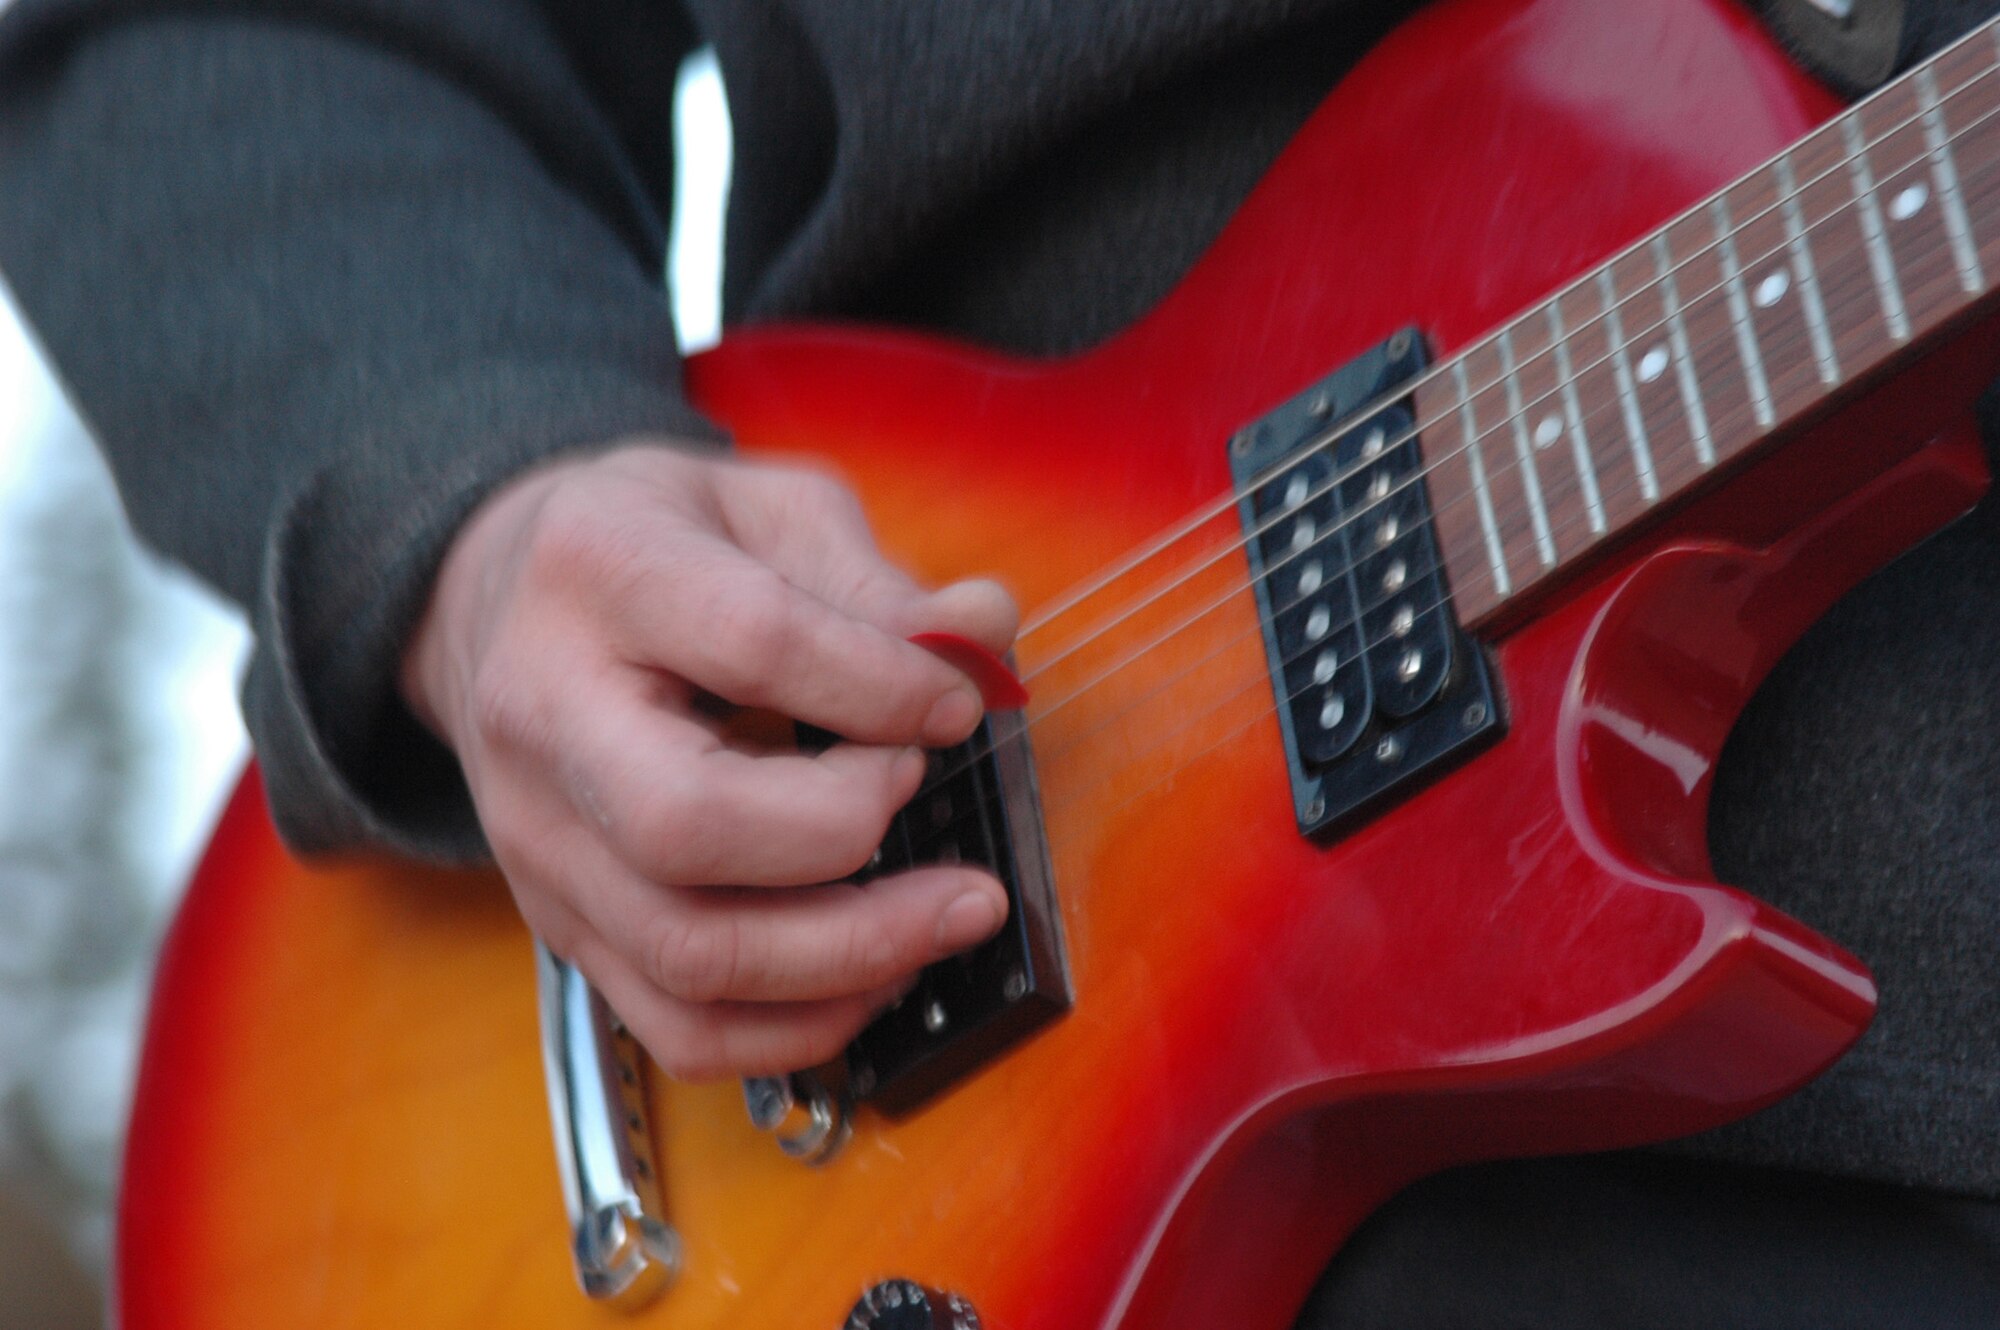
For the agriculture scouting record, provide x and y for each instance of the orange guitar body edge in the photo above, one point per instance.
(340, 1118)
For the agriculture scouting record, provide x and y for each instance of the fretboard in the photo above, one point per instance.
(1744, 315)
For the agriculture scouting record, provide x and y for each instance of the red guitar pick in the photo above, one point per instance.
(997, 684)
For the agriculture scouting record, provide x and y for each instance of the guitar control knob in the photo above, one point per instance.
(899, 1304)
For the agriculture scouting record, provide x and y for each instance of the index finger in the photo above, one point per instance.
(726, 623)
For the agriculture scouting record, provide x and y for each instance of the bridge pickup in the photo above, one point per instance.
(1377, 687)
(978, 804)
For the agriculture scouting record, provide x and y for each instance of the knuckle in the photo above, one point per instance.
(822, 495)
(850, 841)
(598, 553)
(754, 631)
(655, 822)
(695, 958)
(868, 954)
(572, 539)
(680, 838)
(812, 1045)
(508, 711)
(693, 1058)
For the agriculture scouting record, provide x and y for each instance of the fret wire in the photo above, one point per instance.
(1283, 699)
(1790, 197)
(1488, 523)
(1075, 597)
(1808, 279)
(1684, 368)
(1945, 172)
(1916, 219)
(1613, 305)
(1801, 253)
(1739, 314)
(1531, 480)
(1586, 463)
(1628, 393)
(1880, 261)
(1458, 365)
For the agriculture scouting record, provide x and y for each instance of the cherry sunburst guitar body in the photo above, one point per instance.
(340, 1118)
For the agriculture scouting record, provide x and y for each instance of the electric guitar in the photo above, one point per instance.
(1390, 590)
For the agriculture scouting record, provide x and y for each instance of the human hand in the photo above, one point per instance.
(582, 627)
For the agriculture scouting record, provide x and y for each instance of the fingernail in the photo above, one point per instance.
(910, 764)
(952, 716)
(969, 919)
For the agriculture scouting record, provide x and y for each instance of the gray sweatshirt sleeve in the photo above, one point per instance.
(321, 275)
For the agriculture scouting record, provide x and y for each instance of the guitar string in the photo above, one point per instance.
(1229, 735)
(1507, 419)
(1351, 620)
(1191, 525)
(1346, 429)
(1064, 604)
(1279, 517)
(1261, 677)
(1256, 680)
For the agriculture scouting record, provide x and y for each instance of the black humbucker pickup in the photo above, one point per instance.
(978, 804)
(1378, 689)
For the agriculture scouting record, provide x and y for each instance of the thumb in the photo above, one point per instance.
(978, 608)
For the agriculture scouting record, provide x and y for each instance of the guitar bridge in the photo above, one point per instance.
(1378, 689)
(978, 804)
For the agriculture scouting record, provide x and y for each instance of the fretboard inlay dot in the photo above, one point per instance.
(1703, 344)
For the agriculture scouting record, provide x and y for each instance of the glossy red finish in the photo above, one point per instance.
(1270, 1035)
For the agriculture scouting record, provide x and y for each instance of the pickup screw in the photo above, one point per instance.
(1319, 405)
(1475, 715)
(934, 1017)
(1240, 445)
(1399, 345)
(1316, 810)
(1389, 750)
(1015, 986)
(861, 1080)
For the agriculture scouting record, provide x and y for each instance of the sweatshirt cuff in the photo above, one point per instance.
(348, 571)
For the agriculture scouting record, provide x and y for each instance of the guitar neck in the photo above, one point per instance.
(1741, 318)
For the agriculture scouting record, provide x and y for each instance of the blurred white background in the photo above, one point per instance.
(119, 738)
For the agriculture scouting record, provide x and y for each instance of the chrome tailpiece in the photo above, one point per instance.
(626, 1253)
